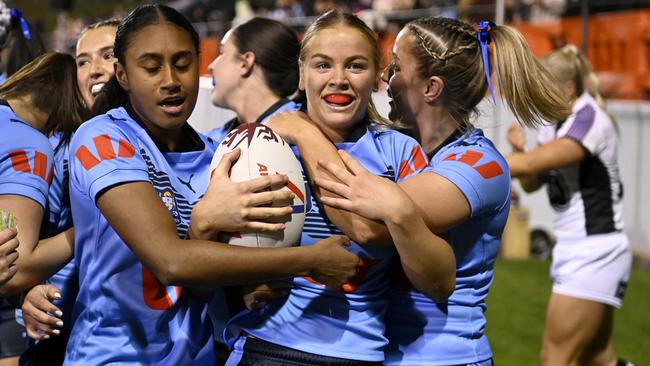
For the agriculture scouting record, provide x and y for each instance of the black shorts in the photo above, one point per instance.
(258, 352)
(13, 337)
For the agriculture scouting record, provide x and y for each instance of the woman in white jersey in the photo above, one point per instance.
(578, 161)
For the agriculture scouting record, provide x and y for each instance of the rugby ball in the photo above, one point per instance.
(264, 152)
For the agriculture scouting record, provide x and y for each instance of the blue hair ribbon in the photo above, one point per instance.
(483, 36)
(15, 13)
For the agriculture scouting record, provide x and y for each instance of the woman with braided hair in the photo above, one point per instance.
(439, 74)
(577, 160)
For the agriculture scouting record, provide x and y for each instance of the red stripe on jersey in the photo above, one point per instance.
(40, 164)
(451, 156)
(489, 170)
(126, 150)
(86, 158)
(155, 293)
(104, 147)
(20, 161)
(471, 157)
(419, 159)
(404, 169)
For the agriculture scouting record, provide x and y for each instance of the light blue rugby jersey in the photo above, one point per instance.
(123, 315)
(422, 332)
(26, 162)
(346, 323)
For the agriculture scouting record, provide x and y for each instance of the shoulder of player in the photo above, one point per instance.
(116, 123)
(588, 115)
(383, 133)
(473, 154)
(473, 140)
(22, 136)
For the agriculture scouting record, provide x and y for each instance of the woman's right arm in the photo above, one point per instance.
(151, 234)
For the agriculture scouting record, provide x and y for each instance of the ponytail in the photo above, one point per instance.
(528, 88)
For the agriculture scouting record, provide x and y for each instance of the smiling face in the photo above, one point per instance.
(95, 59)
(225, 71)
(405, 85)
(338, 75)
(161, 75)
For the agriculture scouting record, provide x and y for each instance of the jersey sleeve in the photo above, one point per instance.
(27, 169)
(103, 155)
(407, 156)
(479, 172)
(587, 127)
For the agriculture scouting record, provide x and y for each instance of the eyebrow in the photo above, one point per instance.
(353, 57)
(101, 50)
(158, 56)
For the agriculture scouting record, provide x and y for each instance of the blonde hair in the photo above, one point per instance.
(333, 18)
(569, 64)
(449, 49)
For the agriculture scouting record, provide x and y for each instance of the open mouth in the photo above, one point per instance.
(96, 88)
(339, 100)
(172, 105)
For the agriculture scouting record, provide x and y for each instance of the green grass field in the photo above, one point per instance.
(517, 309)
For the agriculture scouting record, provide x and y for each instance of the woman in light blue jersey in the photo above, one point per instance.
(33, 101)
(316, 324)
(138, 173)
(43, 303)
(436, 80)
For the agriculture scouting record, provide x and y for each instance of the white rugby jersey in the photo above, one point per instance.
(587, 196)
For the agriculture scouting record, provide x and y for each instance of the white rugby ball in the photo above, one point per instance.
(264, 152)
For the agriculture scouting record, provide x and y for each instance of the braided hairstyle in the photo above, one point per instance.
(449, 49)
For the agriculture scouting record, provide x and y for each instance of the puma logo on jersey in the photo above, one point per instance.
(418, 161)
(471, 157)
(20, 162)
(105, 150)
(187, 183)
